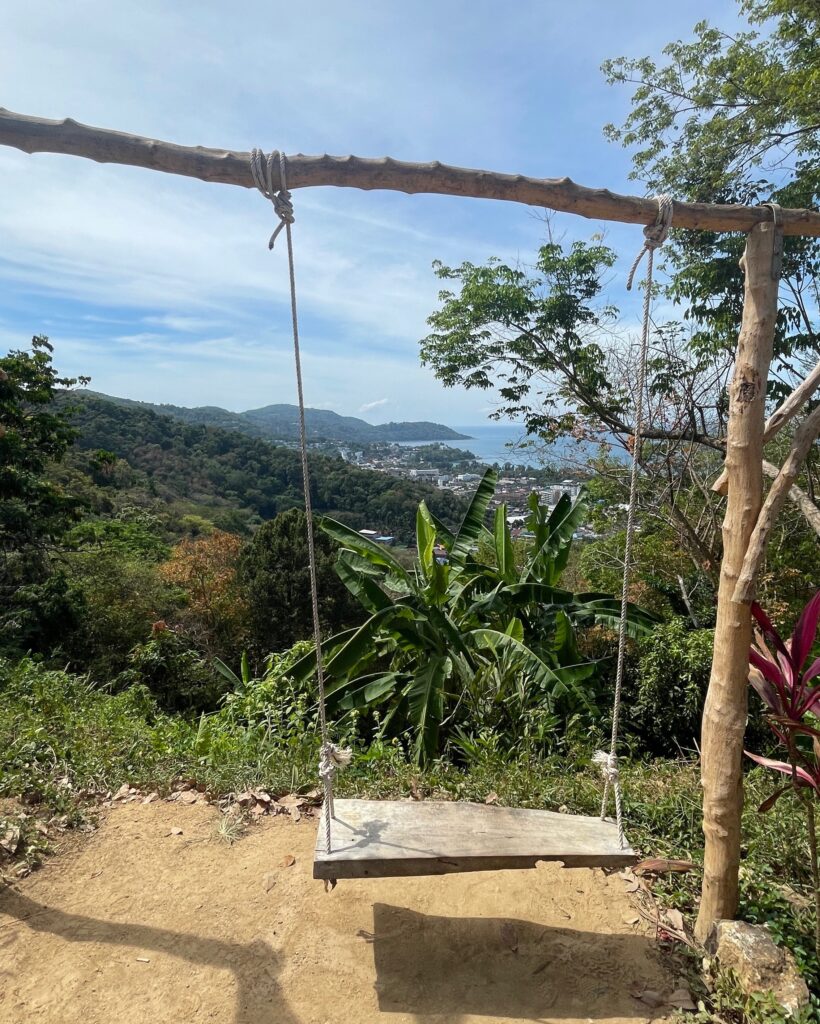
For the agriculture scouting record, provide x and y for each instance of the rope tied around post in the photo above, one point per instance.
(654, 236)
(331, 757)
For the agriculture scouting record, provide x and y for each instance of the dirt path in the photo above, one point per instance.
(136, 925)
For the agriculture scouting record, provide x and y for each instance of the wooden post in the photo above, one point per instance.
(724, 716)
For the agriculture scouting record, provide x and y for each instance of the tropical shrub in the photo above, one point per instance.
(789, 686)
(453, 637)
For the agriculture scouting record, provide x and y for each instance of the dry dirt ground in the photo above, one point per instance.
(137, 924)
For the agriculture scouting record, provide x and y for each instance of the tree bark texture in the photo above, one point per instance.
(724, 717)
(39, 135)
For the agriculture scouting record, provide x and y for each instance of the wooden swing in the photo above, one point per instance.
(748, 519)
(378, 838)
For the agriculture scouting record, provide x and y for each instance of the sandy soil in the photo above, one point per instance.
(137, 925)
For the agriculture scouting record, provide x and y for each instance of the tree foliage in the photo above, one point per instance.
(732, 117)
(275, 576)
(453, 638)
(216, 611)
(34, 511)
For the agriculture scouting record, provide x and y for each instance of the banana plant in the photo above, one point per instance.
(449, 627)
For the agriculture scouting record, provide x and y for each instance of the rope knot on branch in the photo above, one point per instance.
(262, 171)
(654, 235)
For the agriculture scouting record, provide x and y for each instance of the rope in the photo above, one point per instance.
(331, 757)
(654, 236)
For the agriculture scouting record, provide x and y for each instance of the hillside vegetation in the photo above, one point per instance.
(129, 454)
(281, 423)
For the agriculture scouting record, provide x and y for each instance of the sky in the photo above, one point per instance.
(163, 289)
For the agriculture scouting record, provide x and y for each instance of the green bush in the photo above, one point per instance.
(177, 676)
(674, 663)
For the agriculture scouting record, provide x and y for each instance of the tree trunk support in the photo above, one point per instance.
(724, 716)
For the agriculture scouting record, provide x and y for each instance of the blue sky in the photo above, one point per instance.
(163, 289)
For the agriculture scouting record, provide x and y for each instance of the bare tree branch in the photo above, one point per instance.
(811, 513)
(39, 135)
(781, 416)
(804, 437)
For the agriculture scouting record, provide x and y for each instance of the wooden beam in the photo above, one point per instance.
(39, 135)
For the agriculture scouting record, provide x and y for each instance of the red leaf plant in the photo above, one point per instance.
(790, 689)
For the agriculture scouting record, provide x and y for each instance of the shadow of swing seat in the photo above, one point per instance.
(394, 838)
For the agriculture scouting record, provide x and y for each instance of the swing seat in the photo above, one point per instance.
(393, 838)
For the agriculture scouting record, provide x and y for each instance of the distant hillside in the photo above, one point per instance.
(281, 423)
(232, 480)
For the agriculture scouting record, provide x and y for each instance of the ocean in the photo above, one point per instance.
(497, 442)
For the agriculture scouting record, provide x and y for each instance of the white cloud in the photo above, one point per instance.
(133, 272)
(370, 406)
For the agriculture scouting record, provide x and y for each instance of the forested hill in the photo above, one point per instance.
(228, 478)
(281, 423)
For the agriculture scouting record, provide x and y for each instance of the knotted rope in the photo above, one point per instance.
(331, 757)
(654, 236)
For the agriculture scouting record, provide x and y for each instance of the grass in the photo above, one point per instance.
(63, 741)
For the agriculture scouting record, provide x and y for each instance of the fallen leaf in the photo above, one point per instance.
(245, 799)
(509, 936)
(682, 999)
(491, 798)
(674, 918)
(661, 865)
(649, 998)
(10, 839)
(268, 881)
(261, 796)
(257, 811)
(292, 800)
(122, 792)
(287, 861)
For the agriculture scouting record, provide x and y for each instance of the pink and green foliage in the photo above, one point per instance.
(790, 689)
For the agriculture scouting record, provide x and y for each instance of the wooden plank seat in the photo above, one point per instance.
(388, 838)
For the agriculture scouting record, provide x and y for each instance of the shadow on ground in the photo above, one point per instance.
(506, 968)
(255, 965)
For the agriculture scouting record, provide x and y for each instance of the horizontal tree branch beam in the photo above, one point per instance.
(39, 135)
(804, 437)
(784, 414)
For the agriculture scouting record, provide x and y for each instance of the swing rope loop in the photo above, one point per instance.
(262, 171)
(331, 756)
(654, 236)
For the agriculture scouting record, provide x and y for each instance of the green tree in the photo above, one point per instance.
(35, 512)
(275, 577)
(732, 118)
